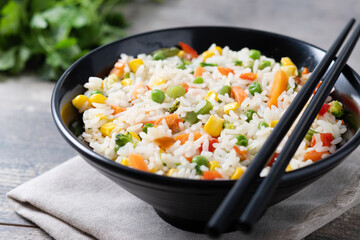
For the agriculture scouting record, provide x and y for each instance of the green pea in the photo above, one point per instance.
(206, 107)
(198, 80)
(263, 124)
(146, 126)
(241, 140)
(200, 161)
(158, 96)
(254, 54)
(191, 117)
(255, 87)
(337, 109)
(249, 114)
(96, 92)
(175, 91)
(264, 64)
(226, 89)
(159, 55)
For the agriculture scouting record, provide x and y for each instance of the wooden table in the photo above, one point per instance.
(30, 144)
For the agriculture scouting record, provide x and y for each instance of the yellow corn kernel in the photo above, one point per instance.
(212, 95)
(181, 53)
(126, 82)
(231, 106)
(157, 82)
(171, 171)
(214, 164)
(288, 168)
(125, 161)
(207, 54)
(273, 123)
(135, 64)
(134, 135)
(219, 49)
(97, 98)
(237, 173)
(214, 126)
(101, 116)
(107, 128)
(290, 70)
(286, 61)
(81, 102)
(153, 170)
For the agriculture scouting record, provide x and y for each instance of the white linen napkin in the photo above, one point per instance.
(74, 201)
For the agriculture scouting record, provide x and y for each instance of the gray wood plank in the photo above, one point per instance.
(22, 233)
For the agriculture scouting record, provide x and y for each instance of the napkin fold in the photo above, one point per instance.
(74, 201)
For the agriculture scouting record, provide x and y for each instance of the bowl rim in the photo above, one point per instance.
(286, 180)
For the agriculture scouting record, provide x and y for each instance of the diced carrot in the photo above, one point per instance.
(225, 71)
(118, 69)
(185, 86)
(189, 159)
(146, 122)
(117, 110)
(211, 147)
(279, 85)
(239, 94)
(248, 76)
(184, 137)
(137, 161)
(305, 71)
(272, 160)
(211, 175)
(189, 50)
(172, 121)
(324, 109)
(326, 139)
(317, 87)
(243, 153)
(199, 71)
(314, 155)
(165, 142)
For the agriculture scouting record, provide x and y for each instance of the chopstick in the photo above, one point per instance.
(263, 194)
(237, 198)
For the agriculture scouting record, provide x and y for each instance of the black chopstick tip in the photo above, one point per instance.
(212, 231)
(245, 227)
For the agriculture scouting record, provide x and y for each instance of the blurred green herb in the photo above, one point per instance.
(50, 35)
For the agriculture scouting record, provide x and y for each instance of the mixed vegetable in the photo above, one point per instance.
(213, 123)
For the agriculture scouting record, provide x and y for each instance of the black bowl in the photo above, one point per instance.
(184, 203)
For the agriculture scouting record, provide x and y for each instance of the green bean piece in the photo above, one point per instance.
(337, 109)
(241, 140)
(203, 64)
(181, 66)
(159, 55)
(163, 53)
(226, 89)
(228, 125)
(158, 96)
(191, 117)
(96, 92)
(263, 124)
(146, 126)
(263, 64)
(198, 80)
(126, 75)
(249, 114)
(206, 107)
(175, 91)
(237, 62)
(254, 54)
(309, 134)
(174, 107)
(255, 87)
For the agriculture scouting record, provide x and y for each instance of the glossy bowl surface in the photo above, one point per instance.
(184, 203)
